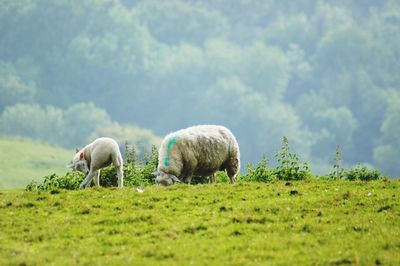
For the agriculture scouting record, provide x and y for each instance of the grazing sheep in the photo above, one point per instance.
(197, 151)
(98, 154)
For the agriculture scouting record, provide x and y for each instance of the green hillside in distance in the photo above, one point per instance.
(23, 160)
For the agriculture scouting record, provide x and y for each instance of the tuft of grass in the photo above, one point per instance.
(309, 222)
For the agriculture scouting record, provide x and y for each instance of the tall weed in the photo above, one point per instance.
(289, 165)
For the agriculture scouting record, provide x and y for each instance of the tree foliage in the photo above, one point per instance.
(75, 126)
(318, 72)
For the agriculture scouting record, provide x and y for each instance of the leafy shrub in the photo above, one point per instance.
(258, 173)
(133, 176)
(150, 162)
(289, 165)
(356, 173)
(139, 172)
(289, 168)
(70, 181)
(362, 173)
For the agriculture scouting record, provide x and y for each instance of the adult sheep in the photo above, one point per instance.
(197, 151)
(95, 156)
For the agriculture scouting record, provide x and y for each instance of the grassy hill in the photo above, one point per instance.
(22, 160)
(312, 222)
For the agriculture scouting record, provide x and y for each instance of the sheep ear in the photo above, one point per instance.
(176, 180)
(155, 173)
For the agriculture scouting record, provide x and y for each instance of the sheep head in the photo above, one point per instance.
(165, 179)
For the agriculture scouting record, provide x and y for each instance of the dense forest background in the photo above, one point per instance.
(321, 72)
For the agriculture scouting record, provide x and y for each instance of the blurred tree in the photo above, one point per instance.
(348, 62)
(13, 88)
(80, 120)
(196, 22)
(301, 74)
(264, 68)
(34, 122)
(293, 30)
(385, 27)
(314, 68)
(343, 49)
(387, 150)
(251, 113)
(330, 126)
(142, 139)
(76, 126)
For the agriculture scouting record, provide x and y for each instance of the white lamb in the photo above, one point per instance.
(95, 156)
(197, 151)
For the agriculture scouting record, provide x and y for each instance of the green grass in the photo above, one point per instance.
(23, 160)
(277, 223)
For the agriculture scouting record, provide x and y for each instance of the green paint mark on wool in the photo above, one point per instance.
(170, 143)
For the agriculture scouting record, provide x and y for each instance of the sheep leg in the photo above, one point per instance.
(120, 175)
(119, 166)
(233, 169)
(211, 178)
(187, 179)
(87, 180)
(232, 176)
(96, 178)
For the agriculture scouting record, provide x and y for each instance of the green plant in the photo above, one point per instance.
(289, 165)
(134, 175)
(362, 172)
(222, 177)
(258, 173)
(70, 181)
(150, 162)
(338, 172)
(130, 154)
(137, 172)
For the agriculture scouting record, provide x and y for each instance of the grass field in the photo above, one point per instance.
(23, 160)
(311, 222)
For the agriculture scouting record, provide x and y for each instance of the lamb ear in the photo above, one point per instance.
(76, 150)
(70, 165)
